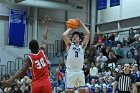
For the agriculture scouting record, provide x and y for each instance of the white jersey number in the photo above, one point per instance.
(40, 63)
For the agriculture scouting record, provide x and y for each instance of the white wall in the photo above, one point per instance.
(127, 9)
(10, 53)
(121, 17)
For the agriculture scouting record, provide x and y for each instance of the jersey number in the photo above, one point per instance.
(76, 53)
(40, 63)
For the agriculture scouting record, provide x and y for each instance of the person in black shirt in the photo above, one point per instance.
(124, 81)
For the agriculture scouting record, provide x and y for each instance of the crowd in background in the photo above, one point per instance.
(101, 65)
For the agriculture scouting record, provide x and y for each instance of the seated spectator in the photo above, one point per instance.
(60, 84)
(110, 84)
(137, 57)
(131, 36)
(91, 86)
(101, 59)
(103, 49)
(111, 39)
(97, 89)
(134, 73)
(120, 68)
(119, 52)
(101, 83)
(136, 44)
(86, 73)
(16, 89)
(105, 41)
(93, 72)
(105, 89)
(118, 40)
(58, 73)
(107, 71)
(100, 41)
(87, 63)
(115, 73)
(62, 67)
(112, 59)
(93, 53)
(25, 88)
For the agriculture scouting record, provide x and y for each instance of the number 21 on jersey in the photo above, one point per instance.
(40, 63)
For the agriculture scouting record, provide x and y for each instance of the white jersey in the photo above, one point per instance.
(75, 57)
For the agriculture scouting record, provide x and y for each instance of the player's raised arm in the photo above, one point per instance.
(86, 30)
(45, 21)
(65, 36)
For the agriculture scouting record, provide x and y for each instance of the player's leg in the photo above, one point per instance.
(81, 82)
(35, 89)
(47, 89)
(70, 81)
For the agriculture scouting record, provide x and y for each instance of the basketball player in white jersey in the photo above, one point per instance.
(74, 63)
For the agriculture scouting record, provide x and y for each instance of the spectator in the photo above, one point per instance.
(110, 84)
(136, 44)
(97, 89)
(58, 73)
(105, 89)
(60, 84)
(16, 89)
(119, 67)
(131, 36)
(86, 73)
(101, 60)
(86, 62)
(93, 72)
(119, 52)
(112, 58)
(118, 40)
(93, 53)
(107, 71)
(105, 41)
(111, 39)
(137, 57)
(115, 73)
(100, 41)
(135, 73)
(103, 49)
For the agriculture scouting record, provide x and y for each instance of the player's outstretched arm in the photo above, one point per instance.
(65, 36)
(23, 69)
(87, 36)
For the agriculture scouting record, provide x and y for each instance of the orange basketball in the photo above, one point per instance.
(72, 23)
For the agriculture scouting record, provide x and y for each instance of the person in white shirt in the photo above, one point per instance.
(93, 72)
(101, 59)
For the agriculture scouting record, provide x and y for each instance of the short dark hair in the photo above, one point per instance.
(33, 46)
(79, 34)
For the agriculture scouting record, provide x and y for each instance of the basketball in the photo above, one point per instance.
(72, 23)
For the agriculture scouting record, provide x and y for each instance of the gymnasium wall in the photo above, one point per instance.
(120, 17)
(55, 29)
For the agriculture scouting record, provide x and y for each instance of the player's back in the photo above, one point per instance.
(39, 69)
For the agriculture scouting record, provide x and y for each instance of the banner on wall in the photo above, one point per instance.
(101, 4)
(114, 3)
(17, 23)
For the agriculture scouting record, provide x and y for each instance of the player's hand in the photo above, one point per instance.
(79, 21)
(70, 29)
